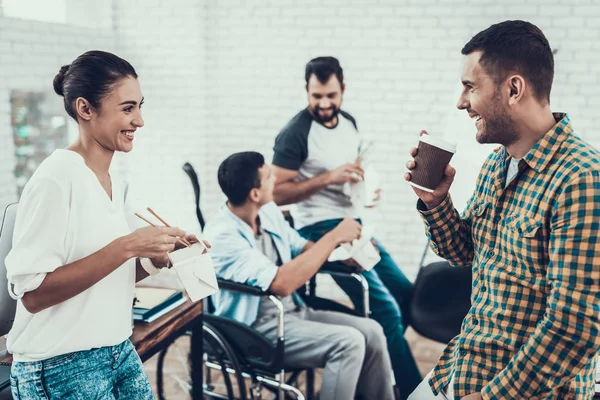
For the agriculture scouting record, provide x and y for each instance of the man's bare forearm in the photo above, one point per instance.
(291, 192)
(293, 274)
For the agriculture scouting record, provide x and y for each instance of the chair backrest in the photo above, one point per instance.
(191, 172)
(7, 303)
(441, 299)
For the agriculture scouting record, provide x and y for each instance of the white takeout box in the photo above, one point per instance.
(195, 270)
(363, 192)
(361, 250)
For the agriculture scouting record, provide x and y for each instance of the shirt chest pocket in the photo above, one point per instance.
(521, 237)
(523, 226)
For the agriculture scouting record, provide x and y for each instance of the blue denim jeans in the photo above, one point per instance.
(113, 372)
(389, 297)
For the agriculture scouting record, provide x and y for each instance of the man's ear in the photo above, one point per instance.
(254, 195)
(83, 109)
(516, 89)
(343, 88)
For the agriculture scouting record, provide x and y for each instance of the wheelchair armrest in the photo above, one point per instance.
(343, 275)
(339, 271)
(256, 291)
(338, 268)
(241, 287)
(347, 273)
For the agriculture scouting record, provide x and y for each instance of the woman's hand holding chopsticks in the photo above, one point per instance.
(191, 239)
(181, 240)
(153, 242)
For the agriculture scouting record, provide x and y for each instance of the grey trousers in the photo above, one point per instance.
(352, 350)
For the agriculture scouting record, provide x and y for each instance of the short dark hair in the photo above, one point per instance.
(238, 175)
(516, 46)
(323, 68)
(92, 76)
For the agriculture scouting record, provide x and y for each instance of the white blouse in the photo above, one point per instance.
(65, 215)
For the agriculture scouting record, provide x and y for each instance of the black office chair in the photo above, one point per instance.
(441, 299)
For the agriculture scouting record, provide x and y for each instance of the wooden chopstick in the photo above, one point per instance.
(157, 216)
(186, 243)
(362, 152)
(148, 222)
(165, 223)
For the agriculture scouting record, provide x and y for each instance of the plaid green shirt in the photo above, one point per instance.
(533, 328)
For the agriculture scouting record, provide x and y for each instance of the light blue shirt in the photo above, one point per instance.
(236, 257)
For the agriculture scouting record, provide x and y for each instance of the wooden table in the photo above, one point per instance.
(151, 338)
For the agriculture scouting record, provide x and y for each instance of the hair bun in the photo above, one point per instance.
(59, 80)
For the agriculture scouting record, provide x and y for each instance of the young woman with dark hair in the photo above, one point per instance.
(75, 259)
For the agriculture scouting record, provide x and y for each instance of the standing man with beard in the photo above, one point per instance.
(315, 161)
(530, 232)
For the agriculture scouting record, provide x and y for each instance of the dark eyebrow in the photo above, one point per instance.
(132, 102)
(467, 82)
(326, 94)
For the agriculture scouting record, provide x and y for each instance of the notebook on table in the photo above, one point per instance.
(152, 303)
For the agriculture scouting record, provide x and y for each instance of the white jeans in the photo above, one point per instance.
(423, 391)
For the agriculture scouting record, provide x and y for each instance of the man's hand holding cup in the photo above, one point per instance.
(429, 173)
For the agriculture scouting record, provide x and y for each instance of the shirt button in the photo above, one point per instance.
(491, 253)
(496, 219)
(475, 322)
(484, 289)
(463, 353)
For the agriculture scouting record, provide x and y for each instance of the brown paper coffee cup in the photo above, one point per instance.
(430, 162)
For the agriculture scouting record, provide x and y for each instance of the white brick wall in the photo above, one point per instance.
(224, 76)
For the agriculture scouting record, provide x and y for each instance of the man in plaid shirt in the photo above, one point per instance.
(529, 232)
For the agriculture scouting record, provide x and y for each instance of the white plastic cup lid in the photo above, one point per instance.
(439, 143)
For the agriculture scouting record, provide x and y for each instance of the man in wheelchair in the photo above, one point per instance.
(253, 244)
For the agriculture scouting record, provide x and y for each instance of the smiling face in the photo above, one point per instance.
(484, 101)
(113, 125)
(324, 99)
